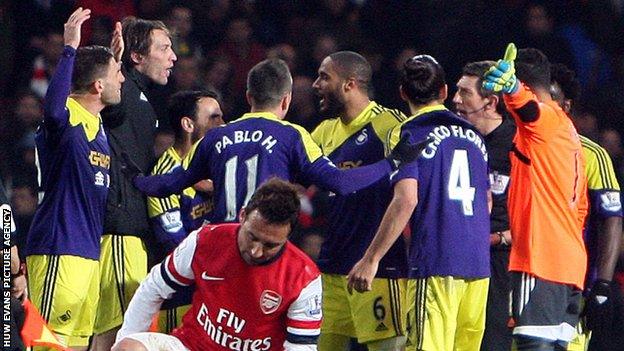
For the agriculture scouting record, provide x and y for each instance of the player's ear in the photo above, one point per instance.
(492, 102)
(98, 86)
(349, 84)
(444, 92)
(286, 99)
(248, 98)
(136, 57)
(187, 124)
(241, 215)
(567, 105)
(402, 93)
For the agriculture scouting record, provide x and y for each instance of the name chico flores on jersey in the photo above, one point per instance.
(246, 136)
(441, 132)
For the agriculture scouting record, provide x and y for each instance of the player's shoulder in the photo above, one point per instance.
(592, 146)
(211, 235)
(384, 119)
(595, 155)
(166, 162)
(303, 266)
(326, 125)
(291, 127)
(390, 115)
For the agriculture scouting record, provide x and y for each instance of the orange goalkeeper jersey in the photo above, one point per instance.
(548, 193)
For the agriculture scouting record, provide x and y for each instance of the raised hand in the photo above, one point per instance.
(117, 43)
(73, 25)
(502, 76)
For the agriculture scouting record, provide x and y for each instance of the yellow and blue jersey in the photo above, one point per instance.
(604, 197)
(451, 223)
(173, 217)
(73, 159)
(353, 218)
(242, 154)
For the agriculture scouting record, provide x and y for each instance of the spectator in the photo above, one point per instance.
(43, 66)
(284, 52)
(180, 22)
(243, 52)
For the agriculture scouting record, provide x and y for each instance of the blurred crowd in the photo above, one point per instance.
(218, 41)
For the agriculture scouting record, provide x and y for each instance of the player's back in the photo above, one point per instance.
(451, 223)
(242, 154)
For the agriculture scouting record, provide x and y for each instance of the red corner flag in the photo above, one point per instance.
(35, 331)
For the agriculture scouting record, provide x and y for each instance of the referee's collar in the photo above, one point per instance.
(139, 78)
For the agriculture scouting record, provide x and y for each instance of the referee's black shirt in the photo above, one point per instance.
(499, 143)
(131, 128)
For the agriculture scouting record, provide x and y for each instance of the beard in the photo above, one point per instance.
(333, 106)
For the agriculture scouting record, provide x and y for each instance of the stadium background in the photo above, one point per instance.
(218, 41)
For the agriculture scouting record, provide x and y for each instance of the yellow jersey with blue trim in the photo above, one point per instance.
(173, 217)
(349, 231)
(604, 199)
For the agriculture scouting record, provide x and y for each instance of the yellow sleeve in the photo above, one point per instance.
(385, 123)
(312, 150)
(598, 166)
(393, 138)
(155, 205)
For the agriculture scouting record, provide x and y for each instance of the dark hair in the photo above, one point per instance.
(90, 64)
(184, 104)
(137, 36)
(478, 69)
(533, 68)
(277, 201)
(422, 79)
(268, 82)
(566, 78)
(350, 64)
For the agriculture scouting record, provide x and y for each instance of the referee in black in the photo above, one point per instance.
(131, 126)
(486, 111)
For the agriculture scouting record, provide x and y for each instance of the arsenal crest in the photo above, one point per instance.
(270, 301)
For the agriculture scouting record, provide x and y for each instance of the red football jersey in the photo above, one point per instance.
(237, 306)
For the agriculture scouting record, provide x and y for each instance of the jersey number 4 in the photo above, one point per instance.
(230, 184)
(459, 188)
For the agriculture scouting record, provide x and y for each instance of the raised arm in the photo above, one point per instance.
(55, 114)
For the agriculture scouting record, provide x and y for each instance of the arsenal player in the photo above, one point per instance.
(253, 289)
